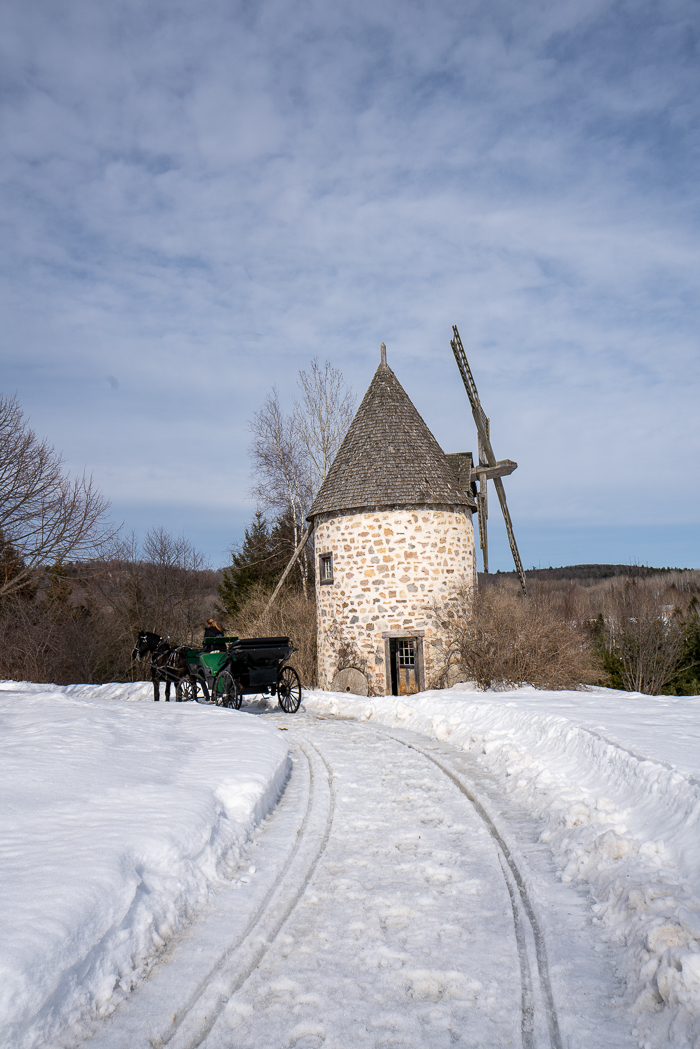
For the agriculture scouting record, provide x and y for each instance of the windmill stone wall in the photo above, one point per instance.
(392, 532)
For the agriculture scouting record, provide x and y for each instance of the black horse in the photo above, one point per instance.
(168, 663)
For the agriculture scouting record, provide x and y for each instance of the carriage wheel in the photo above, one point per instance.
(185, 691)
(289, 690)
(226, 690)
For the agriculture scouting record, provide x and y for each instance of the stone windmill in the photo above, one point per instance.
(393, 531)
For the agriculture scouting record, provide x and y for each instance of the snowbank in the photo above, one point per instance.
(615, 779)
(117, 820)
(135, 691)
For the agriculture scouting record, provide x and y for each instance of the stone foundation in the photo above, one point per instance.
(387, 568)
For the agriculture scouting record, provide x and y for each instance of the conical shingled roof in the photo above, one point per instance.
(389, 457)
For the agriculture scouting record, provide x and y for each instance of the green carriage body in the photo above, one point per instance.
(245, 667)
(205, 664)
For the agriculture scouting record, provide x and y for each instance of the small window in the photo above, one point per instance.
(325, 563)
(405, 652)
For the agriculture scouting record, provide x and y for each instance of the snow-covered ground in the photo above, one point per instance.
(121, 820)
(615, 779)
(117, 821)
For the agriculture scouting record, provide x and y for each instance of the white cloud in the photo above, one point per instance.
(200, 198)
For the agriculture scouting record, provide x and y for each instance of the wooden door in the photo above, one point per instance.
(404, 666)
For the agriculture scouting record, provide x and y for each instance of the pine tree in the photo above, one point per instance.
(282, 545)
(12, 566)
(254, 562)
(687, 680)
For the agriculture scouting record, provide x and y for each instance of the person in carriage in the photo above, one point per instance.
(212, 631)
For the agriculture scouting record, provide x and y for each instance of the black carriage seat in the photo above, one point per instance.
(264, 651)
(262, 642)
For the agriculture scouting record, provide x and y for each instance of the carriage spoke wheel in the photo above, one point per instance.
(226, 690)
(185, 691)
(289, 690)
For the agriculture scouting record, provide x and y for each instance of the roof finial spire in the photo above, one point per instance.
(383, 352)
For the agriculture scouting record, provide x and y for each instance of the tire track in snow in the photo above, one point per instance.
(200, 994)
(523, 912)
(232, 970)
(354, 965)
(194, 1020)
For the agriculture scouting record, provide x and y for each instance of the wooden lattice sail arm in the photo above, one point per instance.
(486, 453)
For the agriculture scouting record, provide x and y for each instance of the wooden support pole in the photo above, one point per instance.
(295, 555)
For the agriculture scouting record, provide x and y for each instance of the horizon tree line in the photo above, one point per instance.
(74, 591)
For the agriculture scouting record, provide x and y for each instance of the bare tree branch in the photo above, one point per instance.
(283, 478)
(45, 516)
(164, 585)
(291, 454)
(323, 416)
(648, 640)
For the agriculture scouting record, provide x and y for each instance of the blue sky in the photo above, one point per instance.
(199, 198)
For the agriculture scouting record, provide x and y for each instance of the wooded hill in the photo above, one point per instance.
(592, 573)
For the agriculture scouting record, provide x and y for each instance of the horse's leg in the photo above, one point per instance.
(156, 687)
(167, 689)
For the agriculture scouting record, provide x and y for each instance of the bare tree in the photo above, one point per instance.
(291, 454)
(165, 586)
(646, 635)
(282, 470)
(80, 622)
(45, 517)
(323, 416)
(60, 635)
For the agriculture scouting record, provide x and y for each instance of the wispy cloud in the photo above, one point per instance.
(198, 198)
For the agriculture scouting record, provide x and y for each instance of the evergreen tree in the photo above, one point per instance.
(687, 680)
(12, 566)
(259, 560)
(608, 654)
(283, 541)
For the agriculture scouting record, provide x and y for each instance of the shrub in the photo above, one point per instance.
(499, 639)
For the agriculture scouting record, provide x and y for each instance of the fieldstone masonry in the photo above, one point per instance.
(388, 567)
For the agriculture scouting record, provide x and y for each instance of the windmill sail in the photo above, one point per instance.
(486, 459)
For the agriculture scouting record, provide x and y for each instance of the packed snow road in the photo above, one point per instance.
(388, 901)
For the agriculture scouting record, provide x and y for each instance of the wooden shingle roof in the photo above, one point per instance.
(389, 457)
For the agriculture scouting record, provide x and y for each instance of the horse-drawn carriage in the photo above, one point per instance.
(225, 669)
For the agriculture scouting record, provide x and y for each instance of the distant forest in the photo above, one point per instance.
(581, 573)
